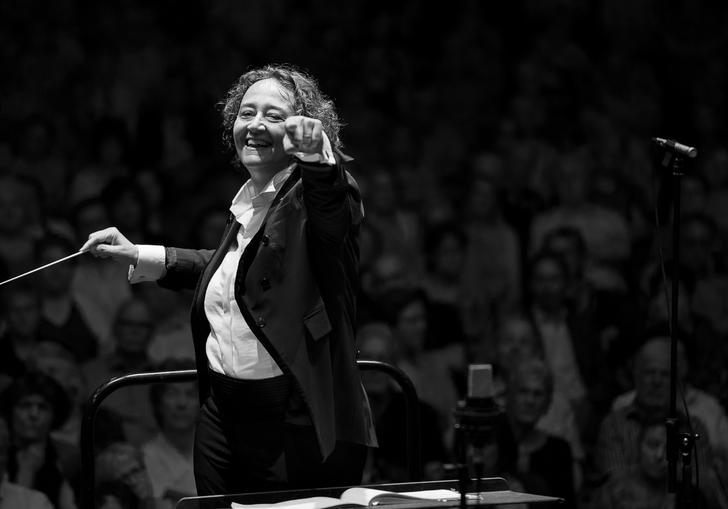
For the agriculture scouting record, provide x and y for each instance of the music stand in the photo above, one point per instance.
(494, 491)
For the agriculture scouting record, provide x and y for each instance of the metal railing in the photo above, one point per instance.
(88, 431)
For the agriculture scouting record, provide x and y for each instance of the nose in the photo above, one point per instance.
(256, 124)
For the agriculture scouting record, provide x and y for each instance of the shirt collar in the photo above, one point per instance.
(246, 199)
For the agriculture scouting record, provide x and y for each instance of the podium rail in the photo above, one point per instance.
(88, 428)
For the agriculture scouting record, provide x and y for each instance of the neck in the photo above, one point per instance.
(181, 439)
(261, 176)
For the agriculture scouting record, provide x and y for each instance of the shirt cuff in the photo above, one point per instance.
(326, 156)
(150, 265)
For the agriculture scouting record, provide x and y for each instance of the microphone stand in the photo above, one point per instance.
(678, 444)
(475, 425)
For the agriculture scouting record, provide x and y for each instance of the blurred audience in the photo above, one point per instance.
(168, 456)
(34, 404)
(509, 176)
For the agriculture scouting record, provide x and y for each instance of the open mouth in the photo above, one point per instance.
(257, 144)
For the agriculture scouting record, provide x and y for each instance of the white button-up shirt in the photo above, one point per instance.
(232, 348)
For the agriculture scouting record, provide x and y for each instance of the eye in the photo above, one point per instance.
(246, 114)
(274, 117)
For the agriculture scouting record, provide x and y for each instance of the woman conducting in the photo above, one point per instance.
(274, 305)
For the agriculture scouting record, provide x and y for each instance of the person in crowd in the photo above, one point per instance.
(605, 231)
(389, 227)
(33, 406)
(121, 477)
(127, 207)
(388, 462)
(24, 329)
(98, 286)
(110, 157)
(58, 362)
(452, 310)
(16, 239)
(493, 256)
(274, 311)
(618, 448)
(387, 272)
(168, 456)
(12, 495)
(569, 343)
(437, 374)
(58, 305)
(39, 159)
(133, 329)
(644, 484)
(517, 342)
(617, 317)
(171, 337)
(700, 405)
(545, 462)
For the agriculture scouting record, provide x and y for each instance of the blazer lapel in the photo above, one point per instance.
(231, 231)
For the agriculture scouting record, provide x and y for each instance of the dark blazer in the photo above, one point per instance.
(296, 285)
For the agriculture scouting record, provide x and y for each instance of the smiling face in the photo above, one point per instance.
(259, 128)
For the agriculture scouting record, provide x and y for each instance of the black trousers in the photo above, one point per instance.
(245, 443)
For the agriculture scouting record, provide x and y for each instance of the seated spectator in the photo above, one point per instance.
(172, 337)
(544, 463)
(387, 272)
(389, 228)
(700, 405)
(437, 374)
(644, 484)
(517, 342)
(449, 304)
(570, 343)
(56, 361)
(16, 240)
(168, 456)
(375, 342)
(133, 329)
(618, 447)
(12, 495)
(33, 406)
(493, 256)
(59, 306)
(110, 158)
(99, 286)
(121, 463)
(25, 328)
(605, 231)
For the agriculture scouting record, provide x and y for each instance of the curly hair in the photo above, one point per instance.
(308, 99)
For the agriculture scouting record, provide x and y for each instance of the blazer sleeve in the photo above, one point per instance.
(333, 202)
(184, 267)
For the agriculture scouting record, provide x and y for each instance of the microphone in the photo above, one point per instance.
(676, 147)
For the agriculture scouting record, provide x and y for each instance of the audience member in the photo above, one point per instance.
(544, 463)
(34, 405)
(644, 484)
(58, 305)
(172, 337)
(618, 447)
(569, 342)
(388, 461)
(12, 495)
(168, 456)
(133, 329)
(493, 257)
(436, 373)
(121, 464)
(24, 329)
(98, 286)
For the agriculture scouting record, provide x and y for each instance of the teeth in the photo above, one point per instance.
(254, 143)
